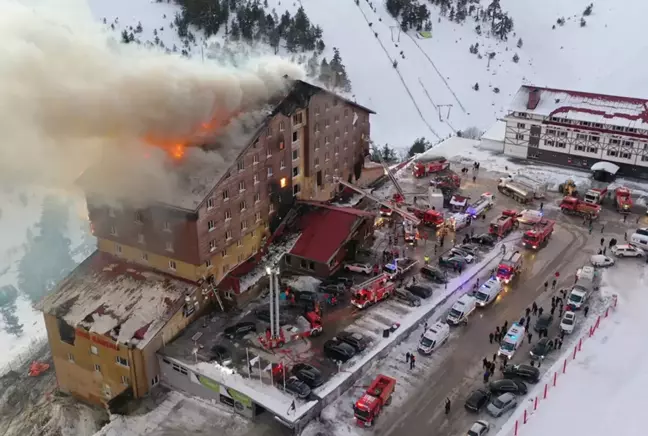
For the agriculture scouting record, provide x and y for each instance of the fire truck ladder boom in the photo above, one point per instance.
(389, 174)
(406, 215)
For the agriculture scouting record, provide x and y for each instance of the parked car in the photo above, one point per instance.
(527, 373)
(501, 404)
(338, 351)
(541, 349)
(363, 268)
(332, 288)
(296, 387)
(239, 330)
(516, 387)
(627, 250)
(263, 314)
(452, 261)
(308, 374)
(306, 296)
(477, 400)
(221, 354)
(434, 274)
(479, 428)
(601, 260)
(462, 253)
(543, 322)
(484, 239)
(472, 249)
(407, 297)
(568, 322)
(356, 340)
(345, 281)
(420, 291)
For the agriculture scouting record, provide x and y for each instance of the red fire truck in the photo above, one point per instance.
(426, 165)
(510, 266)
(433, 218)
(574, 206)
(623, 200)
(539, 235)
(503, 224)
(372, 291)
(309, 324)
(377, 396)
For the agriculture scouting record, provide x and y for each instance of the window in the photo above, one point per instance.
(612, 152)
(118, 249)
(563, 134)
(271, 208)
(168, 246)
(592, 150)
(628, 143)
(336, 102)
(614, 141)
(242, 206)
(269, 132)
(251, 236)
(257, 217)
(269, 171)
(581, 136)
(297, 118)
(125, 380)
(228, 215)
(317, 161)
(295, 154)
(598, 125)
(210, 203)
(256, 159)
(257, 197)
(295, 171)
(625, 155)
(295, 136)
(317, 110)
(346, 130)
(336, 119)
(282, 164)
(228, 235)
(336, 149)
(172, 265)
(346, 144)
(211, 225)
(296, 189)
(644, 158)
(138, 217)
(327, 122)
(586, 123)
(579, 148)
(145, 257)
(224, 253)
(316, 129)
(551, 132)
(327, 140)
(225, 195)
(212, 245)
(269, 152)
(239, 243)
(337, 135)
(240, 165)
(121, 361)
(70, 357)
(519, 136)
(97, 367)
(244, 224)
(239, 258)
(346, 113)
(281, 126)
(111, 212)
(326, 106)
(561, 145)
(242, 186)
(94, 350)
(317, 144)
(208, 263)
(521, 125)
(166, 226)
(549, 143)
(594, 138)
(326, 156)
(256, 179)
(113, 230)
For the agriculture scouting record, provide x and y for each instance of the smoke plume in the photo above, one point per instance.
(71, 95)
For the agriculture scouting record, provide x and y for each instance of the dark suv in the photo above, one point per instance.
(338, 351)
(477, 400)
(527, 373)
(434, 274)
(420, 291)
(308, 374)
(407, 297)
(239, 330)
(356, 340)
(296, 387)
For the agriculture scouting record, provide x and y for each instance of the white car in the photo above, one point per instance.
(627, 251)
(479, 428)
(529, 216)
(568, 322)
(469, 257)
(601, 260)
(363, 268)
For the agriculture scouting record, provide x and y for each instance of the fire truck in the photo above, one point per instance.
(377, 396)
(595, 195)
(510, 266)
(539, 235)
(623, 199)
(574, 206)
(503, 224)
(516, 191)
(423, 166)
(307, 325)
(458, 203)
(372, 291)
(433, 218)
(481, 206)
(449, 181)
(399, 267)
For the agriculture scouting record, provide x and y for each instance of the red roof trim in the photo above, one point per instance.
(607, 97)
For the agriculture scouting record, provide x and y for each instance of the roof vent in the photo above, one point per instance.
(534, 99)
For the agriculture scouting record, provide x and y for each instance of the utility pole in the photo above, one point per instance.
(398, 34)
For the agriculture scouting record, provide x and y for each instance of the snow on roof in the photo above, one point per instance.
(496, 132)
(447, 148)
(605, 166)
(111, 297)
(270, 260)
(584, 106)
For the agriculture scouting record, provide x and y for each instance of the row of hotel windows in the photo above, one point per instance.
(582, 137)
(584, 123)
(612, 153)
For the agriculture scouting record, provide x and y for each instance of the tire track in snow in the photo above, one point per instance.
(391, 61)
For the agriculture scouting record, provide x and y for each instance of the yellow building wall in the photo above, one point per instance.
(78, 376)
(250, 244)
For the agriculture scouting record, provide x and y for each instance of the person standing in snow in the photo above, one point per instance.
(407, 357)
(527, 311)
(487, 375)
(540, 310)
(490, 338)
(529, 336)
(447, 406)
(534, 309)
(585, 310)
(485, 363)
(412, 361)
(553, 284)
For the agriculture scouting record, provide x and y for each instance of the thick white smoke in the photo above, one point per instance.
(70, 94)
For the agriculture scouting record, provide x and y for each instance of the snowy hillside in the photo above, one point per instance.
(412, 99)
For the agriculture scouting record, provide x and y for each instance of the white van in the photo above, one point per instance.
(577, 297)
(458, 221)
(461, 310)
(512, 341)
(640, 238)
(488, 292)
(434, 337)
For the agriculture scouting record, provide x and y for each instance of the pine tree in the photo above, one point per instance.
(419, 146)
(520, 43)
(325, 75)
(139, 29)
(476, 86)
(124, 37)
(588, 10)
(516, 58)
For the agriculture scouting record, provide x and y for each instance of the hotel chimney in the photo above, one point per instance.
(534, 99)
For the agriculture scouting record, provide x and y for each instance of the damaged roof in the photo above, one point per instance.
(108, 296)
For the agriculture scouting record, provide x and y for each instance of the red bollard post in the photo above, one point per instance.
(535, 404)
(555, 377)
(607, 311)
(580, 344)
(591, 332)
(575, 350)
(565, 366)
(516, 427)
(545, 391)
(525, 416)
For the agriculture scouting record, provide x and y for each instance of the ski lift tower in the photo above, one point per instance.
(439, 107)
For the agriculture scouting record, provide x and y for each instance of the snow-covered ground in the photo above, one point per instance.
(607, 380)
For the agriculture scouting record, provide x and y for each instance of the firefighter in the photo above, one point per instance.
(426, 259)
